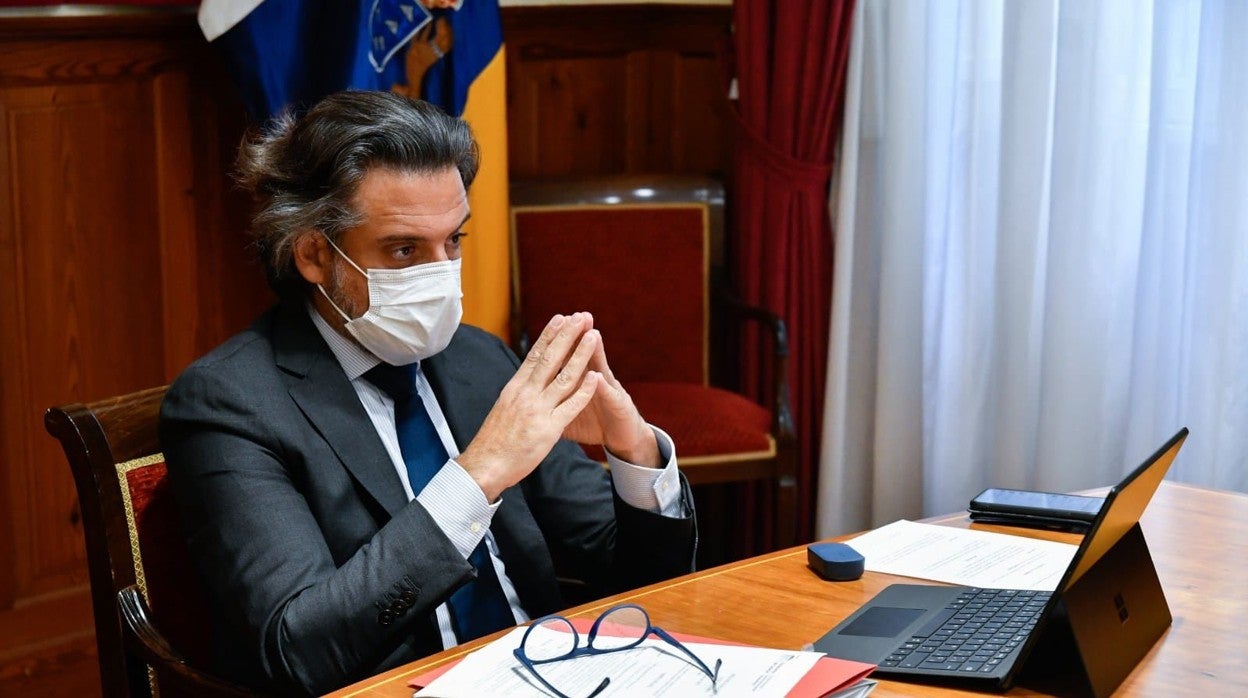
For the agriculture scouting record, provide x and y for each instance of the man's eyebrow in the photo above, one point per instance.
(414, 239)
(400, 237)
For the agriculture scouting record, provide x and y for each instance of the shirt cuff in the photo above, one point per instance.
(458, 507)
(655, 490)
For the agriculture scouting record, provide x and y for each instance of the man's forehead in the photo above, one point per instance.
(396, 206)
(429, 193)
(389, 173)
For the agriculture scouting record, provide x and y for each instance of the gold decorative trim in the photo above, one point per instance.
(733, 457)
(706, 256)
(136, 553)
(726, 458)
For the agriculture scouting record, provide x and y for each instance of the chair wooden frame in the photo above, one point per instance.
(777, 464)
(98, 438)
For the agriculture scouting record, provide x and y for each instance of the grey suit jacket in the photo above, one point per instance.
(318, 569)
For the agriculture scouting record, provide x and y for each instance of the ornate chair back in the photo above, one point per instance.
(644, 254)
(145, 594)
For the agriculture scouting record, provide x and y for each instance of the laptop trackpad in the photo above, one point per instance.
(882, 621)
(877, 628)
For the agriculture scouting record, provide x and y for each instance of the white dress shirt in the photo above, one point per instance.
(454, 500)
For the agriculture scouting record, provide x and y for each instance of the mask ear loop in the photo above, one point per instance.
(344, 255)
(345, 317)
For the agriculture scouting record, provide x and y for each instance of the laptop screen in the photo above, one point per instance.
(1123, 507)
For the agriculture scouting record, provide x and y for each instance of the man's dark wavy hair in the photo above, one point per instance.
(303, 171)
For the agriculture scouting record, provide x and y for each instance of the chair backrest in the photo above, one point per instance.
(637, 251)
(132, 532)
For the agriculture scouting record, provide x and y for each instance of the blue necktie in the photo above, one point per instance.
(479, 607)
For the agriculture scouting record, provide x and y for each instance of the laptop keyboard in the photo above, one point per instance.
(974, 634)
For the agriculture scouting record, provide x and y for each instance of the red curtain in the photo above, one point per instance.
(790, 60)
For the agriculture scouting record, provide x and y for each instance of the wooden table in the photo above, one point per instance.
(1198, 539)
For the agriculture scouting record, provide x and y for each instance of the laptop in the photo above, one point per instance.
(1105, 615)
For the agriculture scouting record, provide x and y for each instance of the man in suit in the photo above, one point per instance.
(364, 480)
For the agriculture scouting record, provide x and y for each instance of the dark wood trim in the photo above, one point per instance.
(142, 23)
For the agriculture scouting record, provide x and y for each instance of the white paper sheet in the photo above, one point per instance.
(964, 556)
(653, 669)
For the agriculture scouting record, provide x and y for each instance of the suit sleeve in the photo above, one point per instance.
(264, 560)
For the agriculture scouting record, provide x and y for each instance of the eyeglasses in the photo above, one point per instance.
(619, 628)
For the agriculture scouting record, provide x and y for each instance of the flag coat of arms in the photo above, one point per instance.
(287, 54)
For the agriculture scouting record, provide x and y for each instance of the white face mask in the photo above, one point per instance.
(412, 313)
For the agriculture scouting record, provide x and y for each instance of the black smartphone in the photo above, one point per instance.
(1043, 505)
(1050, 522)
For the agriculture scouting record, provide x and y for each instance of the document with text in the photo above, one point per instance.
(963, 556)
(653, 669)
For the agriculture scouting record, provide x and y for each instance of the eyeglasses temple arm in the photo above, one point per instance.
(527, 663)
(714, 675)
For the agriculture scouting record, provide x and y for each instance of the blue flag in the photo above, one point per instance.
(290, 53)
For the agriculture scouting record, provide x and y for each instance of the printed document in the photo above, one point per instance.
(963, 556)
(654, 668)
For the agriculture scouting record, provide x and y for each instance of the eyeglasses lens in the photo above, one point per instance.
(552, 639)
(622, 627)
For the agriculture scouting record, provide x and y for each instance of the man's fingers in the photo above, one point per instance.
(567, 411)
(599, 362)
(559, 351)
(539, 350)
(553, 348)
(569, 377)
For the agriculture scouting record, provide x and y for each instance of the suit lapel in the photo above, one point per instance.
(465, 399)
(319, 387)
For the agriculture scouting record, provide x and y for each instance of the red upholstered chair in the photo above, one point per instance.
(144, 591)
(644, 255)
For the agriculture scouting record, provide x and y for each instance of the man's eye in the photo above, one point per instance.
(405, 251)
(458, 238)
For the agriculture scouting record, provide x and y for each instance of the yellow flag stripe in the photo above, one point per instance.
(486, 265)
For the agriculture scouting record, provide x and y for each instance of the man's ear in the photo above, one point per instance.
(313, 257)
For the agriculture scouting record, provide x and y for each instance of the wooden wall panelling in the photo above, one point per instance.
(175, 208)
(74, 327)
(635, 88)
(570, 117)
(231, 289)
(700, 127)
(112, 188)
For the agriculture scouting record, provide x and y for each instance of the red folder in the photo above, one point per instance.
(828, 675)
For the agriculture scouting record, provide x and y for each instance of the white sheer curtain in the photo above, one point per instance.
(1041, 254)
